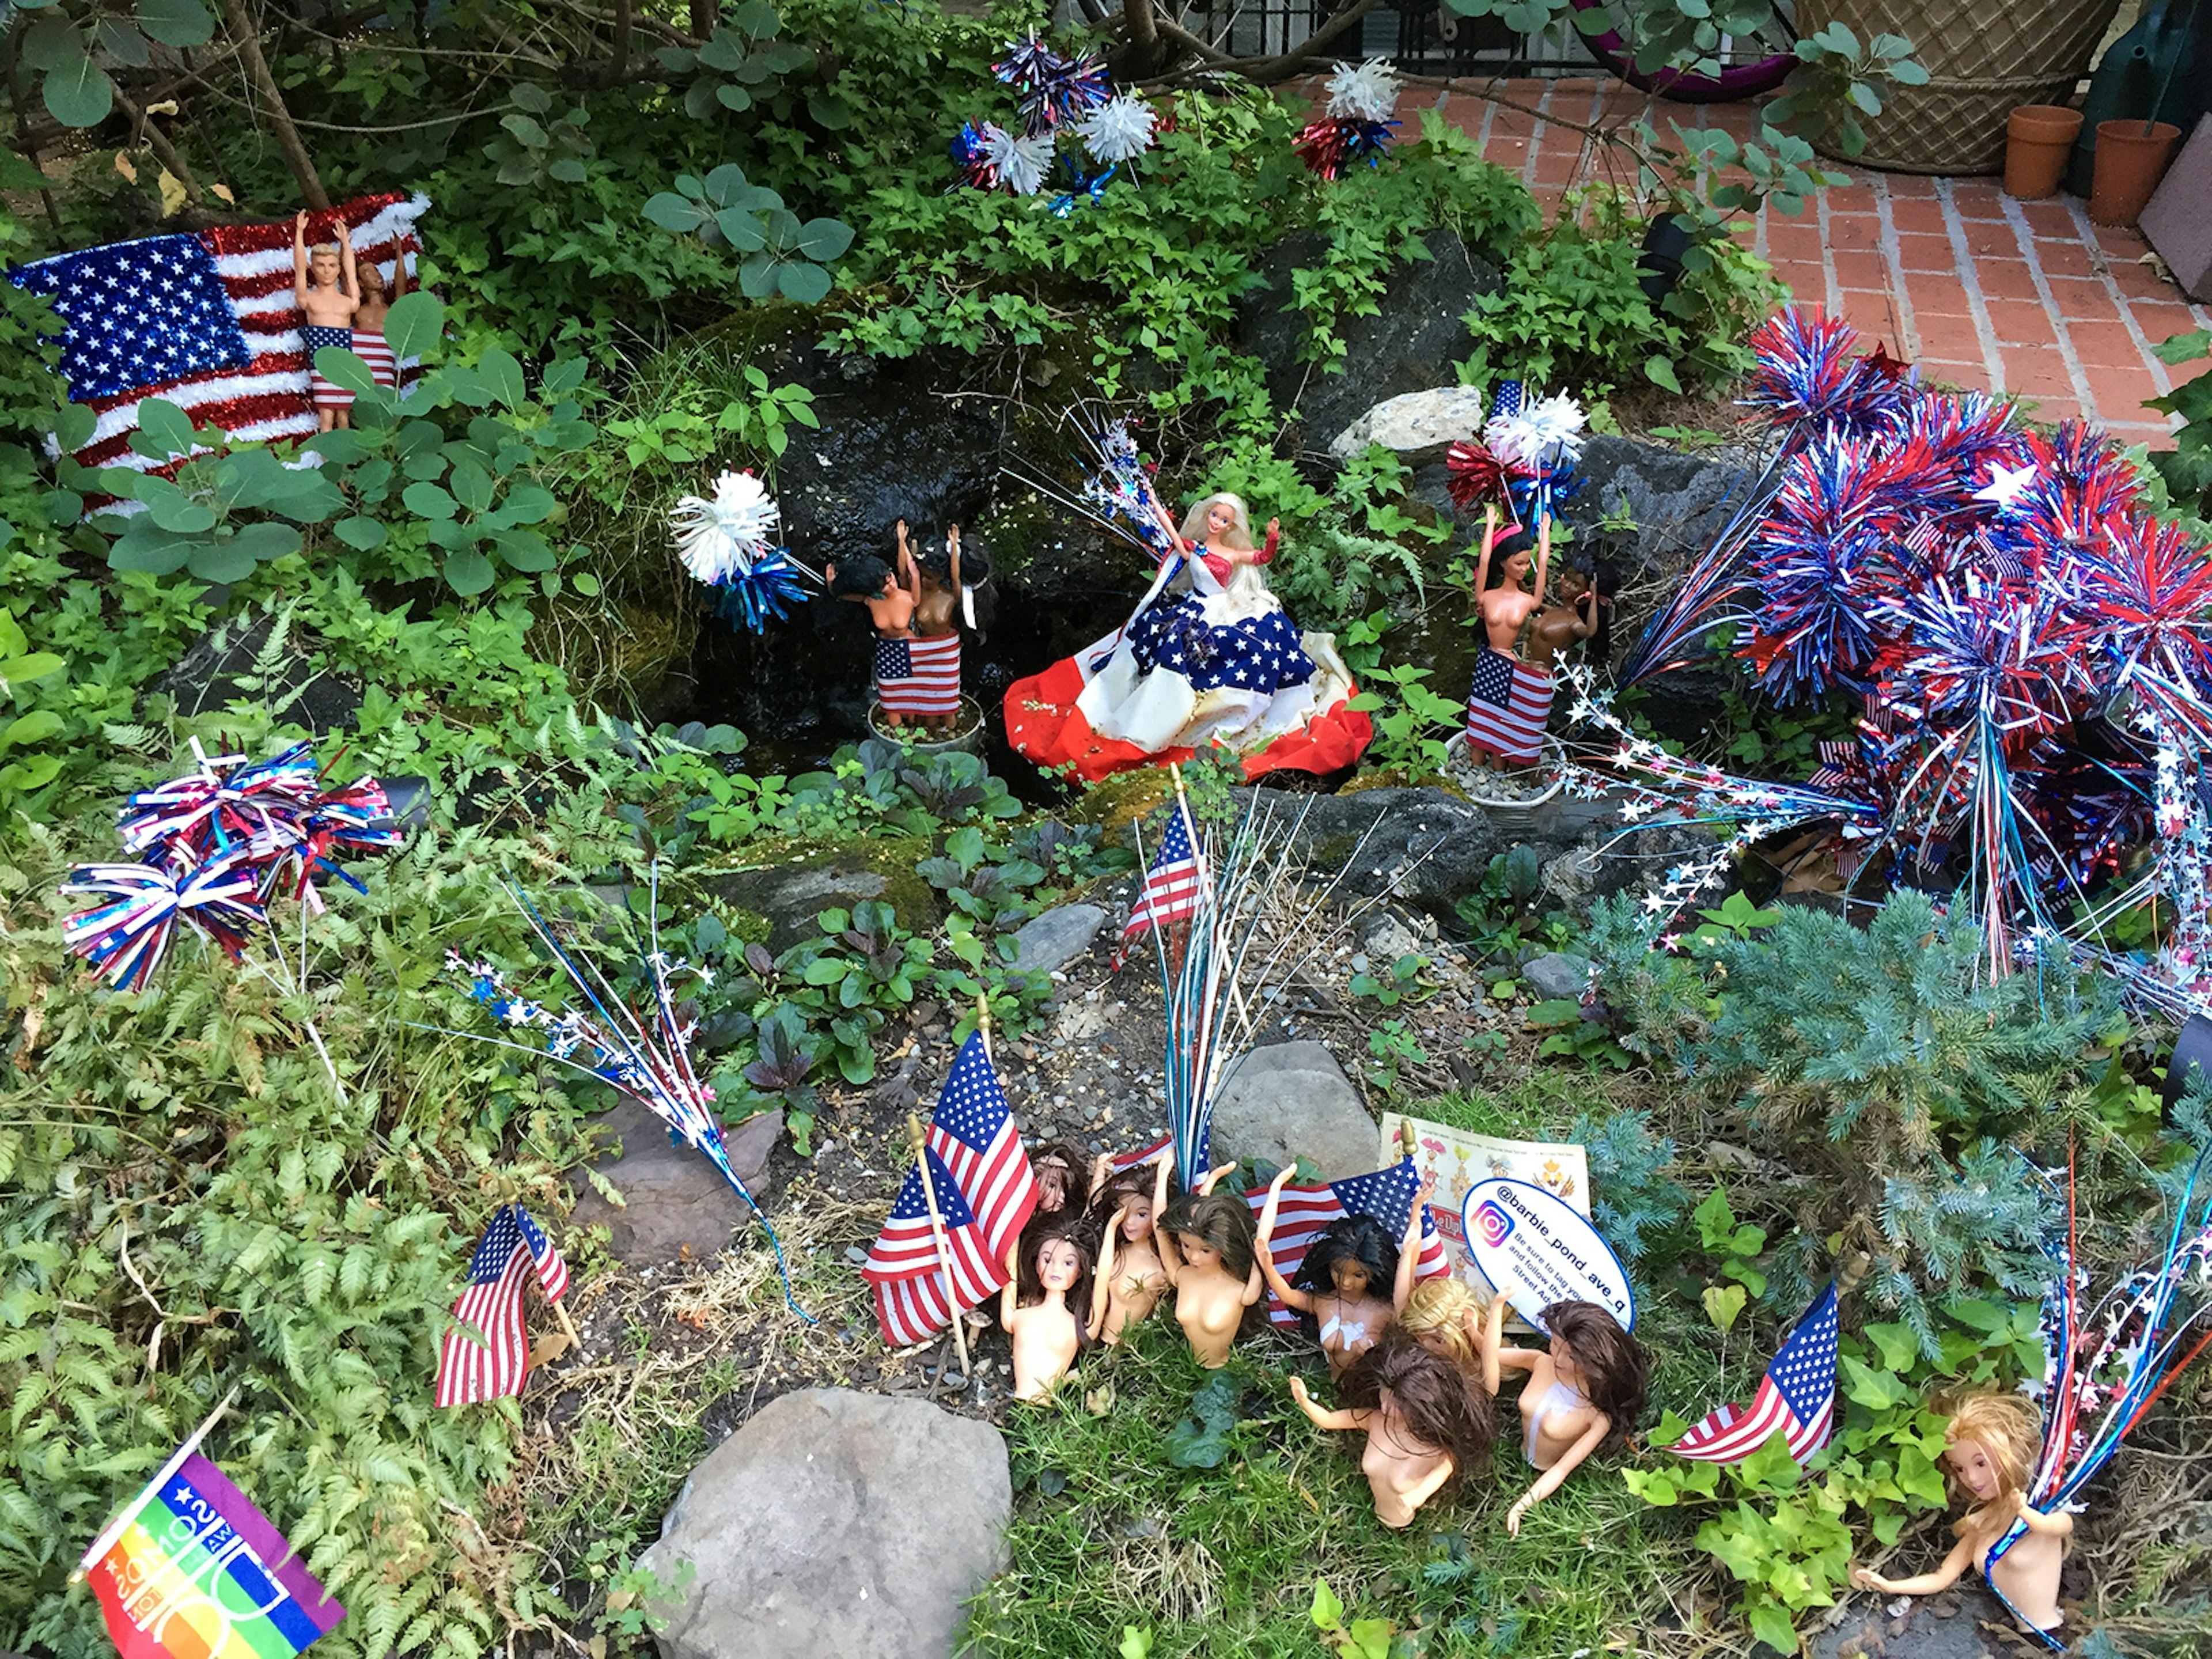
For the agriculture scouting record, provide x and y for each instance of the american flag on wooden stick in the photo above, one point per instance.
(1306, 1212)
(1797, 1395)
(484, 1356)
(985, 1192)
(1171, 890)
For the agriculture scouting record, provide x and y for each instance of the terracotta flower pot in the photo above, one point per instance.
(2039, 139)
(2130, 163)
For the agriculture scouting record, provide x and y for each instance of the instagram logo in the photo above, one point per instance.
(1494, 1224)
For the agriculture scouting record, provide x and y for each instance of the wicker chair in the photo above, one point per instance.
(1983, 58)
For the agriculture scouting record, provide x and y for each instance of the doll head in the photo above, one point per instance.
(1610, 1364)
(1210, 1227)
(1513, 568)
(1355, 1257)
(1062, 1260)
(1131, 1189)
(1220, 518)
(1990, 1444)
(1430, 1394)
(324, 267)
(863, 576)
(1059, 1170)
(370, 275)
(1436, 1317)
(936, 561)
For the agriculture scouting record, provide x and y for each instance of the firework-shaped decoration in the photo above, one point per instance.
(1119, 129)
(1117, 493)
(969, 159)
(727, 541)
(125, 938)
(1053, 91)
(1477, 477)
(1356, 124)
(2083, 491)
(1016, 163)
(1540, 439)
(2146, 598)
(1806, 378)
(2109, 1358)
(645, 1054)
(1818, 563)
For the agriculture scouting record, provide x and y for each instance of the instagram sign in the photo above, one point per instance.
(1519, 1235)
(1492, 1225)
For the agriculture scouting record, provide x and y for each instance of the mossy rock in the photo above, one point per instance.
(788, 894)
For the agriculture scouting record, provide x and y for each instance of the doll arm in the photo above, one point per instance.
(1409, 1247)
(1266, 553)
(1493, 1333)
(2058, 1525)
(345, 260)
(1264, 1259)
(1482, 561)
(1430, 1483)
(399, 272)
(1252, 1284)
(1953, 1569)
(1102, 1288)
(952, 549)
(1101, 1167)
(1162, 1240)
(1543, 557)
(1206, 1181)
(1009, 1295)
(1555, 1477)
(1320, 1418)
(299, 258)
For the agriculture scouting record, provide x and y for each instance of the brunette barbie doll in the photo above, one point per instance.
(1131, 1280)
(1991, 1450)
(1424, 1427)
(1510, 699)
(1059, 1169)
(1584, 1390)
(1353, 1280)
(1205, 1241)
(1048, 1308)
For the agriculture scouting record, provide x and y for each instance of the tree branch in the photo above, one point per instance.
(164, 151)
(248, 41)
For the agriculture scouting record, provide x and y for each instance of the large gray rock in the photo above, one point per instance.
(676, 1205)
(1417, 331)
(1419, 426)
(1424, 847)
(791, 895)
(1678, 501)
(835, 1525)
(1289, 1099)
(1048, 942)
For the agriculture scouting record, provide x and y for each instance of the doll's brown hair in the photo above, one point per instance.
(2006, 1426)
(1219, 1220)
(1436, 1400)
(1613, 1363)
(1120, 1187)
(1030, 1283)
(1078, 1172)
(1438, 1308)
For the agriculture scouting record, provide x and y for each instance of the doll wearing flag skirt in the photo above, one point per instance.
(1219, 662)
(1511, 699)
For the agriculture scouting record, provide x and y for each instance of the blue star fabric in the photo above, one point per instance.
(1259, 653)
(140, 314)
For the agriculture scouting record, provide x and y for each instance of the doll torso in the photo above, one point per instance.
(1139, 1282)
(1045, 1344)
(892, 614)
(1349, 1326)
(329, 307)
(1397, 1465)
(938, 610)
(1505, 610)
(1553, 1416)
(2027, 1574)
(1209, 1306)
(1558, 627)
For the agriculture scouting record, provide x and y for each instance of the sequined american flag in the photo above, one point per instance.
(1306, 1212)
(205, 320)
(985, 1192)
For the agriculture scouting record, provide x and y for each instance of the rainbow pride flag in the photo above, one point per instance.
(186, 1574)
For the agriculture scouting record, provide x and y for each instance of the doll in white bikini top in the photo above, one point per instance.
(1585, 1389)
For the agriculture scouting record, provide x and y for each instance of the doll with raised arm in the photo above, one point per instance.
(327, 290)
(1579, 615)
(1424, 1427)
(1445, 1317)
(368, 319)
(1354, 1279)
(935, 577)
(1048, 1308)
(1989, 1451)
(1510, 699)
(1131, 1280)
(1585, 1389)
(890, 597)
(1205, 1241)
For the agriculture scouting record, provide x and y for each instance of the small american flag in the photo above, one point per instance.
(1505, 402)
(919, 677)
(1305, 1211)
(206, 321)
(1839, 756)
(985, 1192)
(1797, 1395)
(492, 1364)
(1171, 890)
(1508, 707)
(1164, 1147)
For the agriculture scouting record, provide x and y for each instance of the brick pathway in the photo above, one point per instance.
(1979, 290)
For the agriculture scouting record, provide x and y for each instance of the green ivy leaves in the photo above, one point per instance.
(785, 256)
(65, 53)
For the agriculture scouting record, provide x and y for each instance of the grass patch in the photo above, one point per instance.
(1108, 1534)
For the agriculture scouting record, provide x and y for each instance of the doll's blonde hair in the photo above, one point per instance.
(1439, 1307)
(1240, 533)
(2006, 1426)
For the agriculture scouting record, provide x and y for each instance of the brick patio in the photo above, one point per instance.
(1978, 288)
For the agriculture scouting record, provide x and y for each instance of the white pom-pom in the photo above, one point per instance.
(1022, 161)
(1363, 91)
(1119, 130)
(1539, 434)
(720, 540)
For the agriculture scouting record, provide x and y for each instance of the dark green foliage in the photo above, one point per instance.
(2187, 467)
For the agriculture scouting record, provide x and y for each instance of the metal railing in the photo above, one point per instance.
(1418, 36)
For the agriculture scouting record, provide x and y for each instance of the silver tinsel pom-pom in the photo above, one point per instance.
(1542, 433)
(1119, 130)
(720, 539)
(1363, 92)
(1022, 161)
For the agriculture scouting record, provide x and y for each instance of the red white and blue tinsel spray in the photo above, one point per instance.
(645, 1055)
(1356, 123)
(727, 541)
